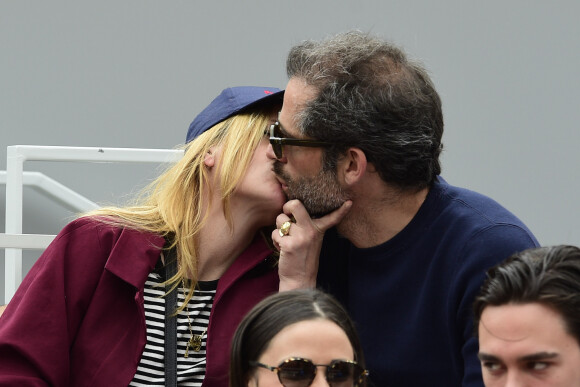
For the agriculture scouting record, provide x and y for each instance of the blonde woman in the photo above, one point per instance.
(93, 309)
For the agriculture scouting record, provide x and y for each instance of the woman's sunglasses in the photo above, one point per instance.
(278, 141)
(297, 372)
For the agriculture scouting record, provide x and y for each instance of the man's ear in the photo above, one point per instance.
(209, 159)
(353, 165)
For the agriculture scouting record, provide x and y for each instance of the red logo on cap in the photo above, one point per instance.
(268, 92)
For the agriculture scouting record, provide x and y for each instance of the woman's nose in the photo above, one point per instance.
(272, 155)
(270, 152)
(319, 380)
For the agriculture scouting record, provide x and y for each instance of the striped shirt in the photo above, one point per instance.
(191, 369)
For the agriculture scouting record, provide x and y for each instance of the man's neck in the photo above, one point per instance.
(375, 219)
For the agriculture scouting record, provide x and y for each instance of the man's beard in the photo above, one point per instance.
(320, 194)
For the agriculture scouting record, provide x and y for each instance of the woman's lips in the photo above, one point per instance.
(282, 184)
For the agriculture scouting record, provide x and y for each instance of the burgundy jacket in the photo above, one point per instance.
(78, 318)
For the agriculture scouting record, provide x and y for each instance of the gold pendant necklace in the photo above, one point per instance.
(195, 339)
(194, 342)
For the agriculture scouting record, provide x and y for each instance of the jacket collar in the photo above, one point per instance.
(134, 256)
(146, 248)
(256, 253)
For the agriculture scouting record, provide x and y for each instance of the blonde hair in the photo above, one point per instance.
(173, 204)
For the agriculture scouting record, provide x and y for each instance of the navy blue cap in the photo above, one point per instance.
(231, 101)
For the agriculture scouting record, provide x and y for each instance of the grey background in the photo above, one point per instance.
(135, 73)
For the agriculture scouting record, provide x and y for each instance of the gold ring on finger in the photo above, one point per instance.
(285, 228)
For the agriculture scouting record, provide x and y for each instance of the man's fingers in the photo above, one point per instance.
(332, 219)
(295, 212)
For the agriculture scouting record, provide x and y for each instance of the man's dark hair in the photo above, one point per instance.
(371, 96)
(546, 275)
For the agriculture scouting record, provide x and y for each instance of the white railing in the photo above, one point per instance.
(15, 177)
(52, 189)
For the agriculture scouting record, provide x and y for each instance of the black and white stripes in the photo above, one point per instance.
(190, 370)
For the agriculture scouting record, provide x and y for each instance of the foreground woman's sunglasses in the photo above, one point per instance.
(297, 372)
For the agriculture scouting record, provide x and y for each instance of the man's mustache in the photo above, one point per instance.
(278, 170)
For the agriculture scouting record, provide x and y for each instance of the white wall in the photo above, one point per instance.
(135, 73)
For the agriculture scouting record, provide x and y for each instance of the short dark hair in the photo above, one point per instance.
(276, 312)
(371, 96)
(546, 275)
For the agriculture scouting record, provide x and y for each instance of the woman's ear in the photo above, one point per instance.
(209, 159)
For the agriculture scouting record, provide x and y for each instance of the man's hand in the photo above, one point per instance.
(300, 247)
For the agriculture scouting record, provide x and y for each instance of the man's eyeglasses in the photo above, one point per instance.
(298, 372)
(278, 141)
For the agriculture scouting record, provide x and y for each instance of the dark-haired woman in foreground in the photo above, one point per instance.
(297, 338)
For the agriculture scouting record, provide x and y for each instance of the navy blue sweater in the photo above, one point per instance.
(411, 297)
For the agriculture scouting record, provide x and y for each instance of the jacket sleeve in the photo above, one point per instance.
(485, 250)
(39, 325)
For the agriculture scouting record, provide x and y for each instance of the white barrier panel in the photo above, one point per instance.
(53, 189)
(25, 241)
(15, 177)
